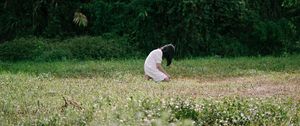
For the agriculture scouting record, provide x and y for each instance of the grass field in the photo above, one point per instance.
(203, 91)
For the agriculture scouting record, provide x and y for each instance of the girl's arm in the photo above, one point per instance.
(160, 68)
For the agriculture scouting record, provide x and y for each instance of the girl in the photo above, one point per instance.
(152, 67)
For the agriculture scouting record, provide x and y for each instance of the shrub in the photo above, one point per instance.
(55, 53)
(22, 49)
(86, 47)
(96, 47)
(272, 38)
(226, 46)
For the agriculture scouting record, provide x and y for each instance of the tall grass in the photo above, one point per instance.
(114, 92)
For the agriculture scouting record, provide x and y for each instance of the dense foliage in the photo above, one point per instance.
(196, 27)
(83, 48)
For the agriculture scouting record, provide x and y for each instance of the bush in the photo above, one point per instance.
(22, 49)
(106, 47)
(54, 53)
(96, 47)
(226, 46)
(271, 38)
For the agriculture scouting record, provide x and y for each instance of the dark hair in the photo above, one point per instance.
(168, 53)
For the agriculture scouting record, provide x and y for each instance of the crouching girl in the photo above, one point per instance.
(153, 68)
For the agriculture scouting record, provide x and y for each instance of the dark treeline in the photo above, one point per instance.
(196, 27)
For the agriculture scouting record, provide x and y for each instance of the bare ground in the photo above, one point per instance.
(278, 85)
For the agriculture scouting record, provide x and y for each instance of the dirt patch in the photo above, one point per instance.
(250, 86)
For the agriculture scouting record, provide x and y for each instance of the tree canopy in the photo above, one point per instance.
(196, 27)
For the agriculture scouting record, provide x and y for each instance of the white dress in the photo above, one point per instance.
(150, 65)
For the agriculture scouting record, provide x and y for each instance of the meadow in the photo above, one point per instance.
(202, 91)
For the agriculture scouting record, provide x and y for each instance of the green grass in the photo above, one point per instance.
(207, 67)
(203, 91)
